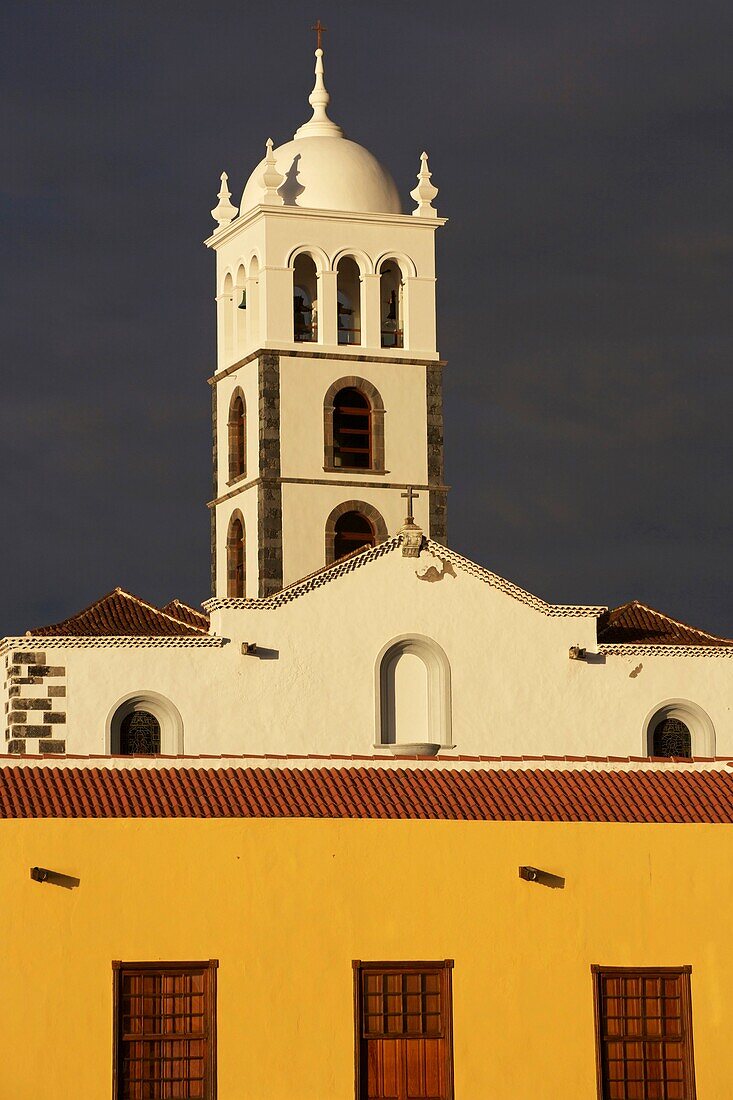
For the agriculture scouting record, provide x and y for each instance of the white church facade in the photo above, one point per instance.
(337, 626)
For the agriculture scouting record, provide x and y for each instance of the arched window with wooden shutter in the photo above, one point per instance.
(237, 426)
(236, 557)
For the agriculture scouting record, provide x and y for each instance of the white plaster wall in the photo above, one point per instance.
(514, 690)
(303, 386)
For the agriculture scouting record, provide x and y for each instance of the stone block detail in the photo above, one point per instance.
(269, 496)
(438, 503)
(52, 746)
(215, 473)
(32, 704)
(31, 715)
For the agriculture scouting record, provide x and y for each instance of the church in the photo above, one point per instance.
(340, 620)
(373, 822)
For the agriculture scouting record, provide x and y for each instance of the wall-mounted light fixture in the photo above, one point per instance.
(54, 878)
(542, 878)
(249, 649)
(576, 653)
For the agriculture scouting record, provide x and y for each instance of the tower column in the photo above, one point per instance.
(371, 322)
(327, 308)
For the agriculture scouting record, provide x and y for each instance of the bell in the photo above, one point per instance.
(392, 311)
(243, 303)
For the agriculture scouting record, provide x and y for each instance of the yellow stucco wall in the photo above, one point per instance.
(286, 905)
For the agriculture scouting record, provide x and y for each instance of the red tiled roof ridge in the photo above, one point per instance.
(117, 591)
(185, 607)
(335, 760)
(613, 616)
(679, 797)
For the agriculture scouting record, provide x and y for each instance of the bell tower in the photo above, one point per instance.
(327, 395)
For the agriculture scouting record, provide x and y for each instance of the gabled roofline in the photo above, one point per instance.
(362, 557)
(118, 591)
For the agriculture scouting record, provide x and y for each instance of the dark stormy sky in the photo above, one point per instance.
(584, 157)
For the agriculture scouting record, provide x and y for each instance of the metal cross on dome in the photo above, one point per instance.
(410, 496)
(319, 29)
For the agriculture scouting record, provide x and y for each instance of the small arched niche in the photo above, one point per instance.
(679, 729)
(413, 695)
(305, 299)
(391, 304)
(348, 295)
(144, 724)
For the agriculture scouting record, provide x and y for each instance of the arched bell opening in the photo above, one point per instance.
(240, 310)
(679, 729)
(305, 299)
(348, 296)
(226, 317)
(391, 295)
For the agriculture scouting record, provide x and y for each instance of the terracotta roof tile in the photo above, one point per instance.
(394, 793)
(120, 614)
(187, 614)
(636, 624)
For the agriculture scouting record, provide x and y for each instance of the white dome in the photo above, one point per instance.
(327, 173)
(321, 170)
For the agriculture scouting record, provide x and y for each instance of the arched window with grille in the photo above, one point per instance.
(237, 426)
(143, 724)
(679, 729)
(139, 734)
(236, 557)
(672, 737)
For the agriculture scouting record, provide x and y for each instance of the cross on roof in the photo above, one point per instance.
(319, 29)
(410, 496)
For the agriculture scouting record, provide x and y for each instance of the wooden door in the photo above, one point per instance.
(403, 1036)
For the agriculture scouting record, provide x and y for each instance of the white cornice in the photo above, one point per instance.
(221, 236)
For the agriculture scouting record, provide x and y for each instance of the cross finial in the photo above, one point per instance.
(410, 496)
(319, 29)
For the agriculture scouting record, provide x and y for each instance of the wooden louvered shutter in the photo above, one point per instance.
(644, 1033)
(403, 1031)
(165, 1030)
